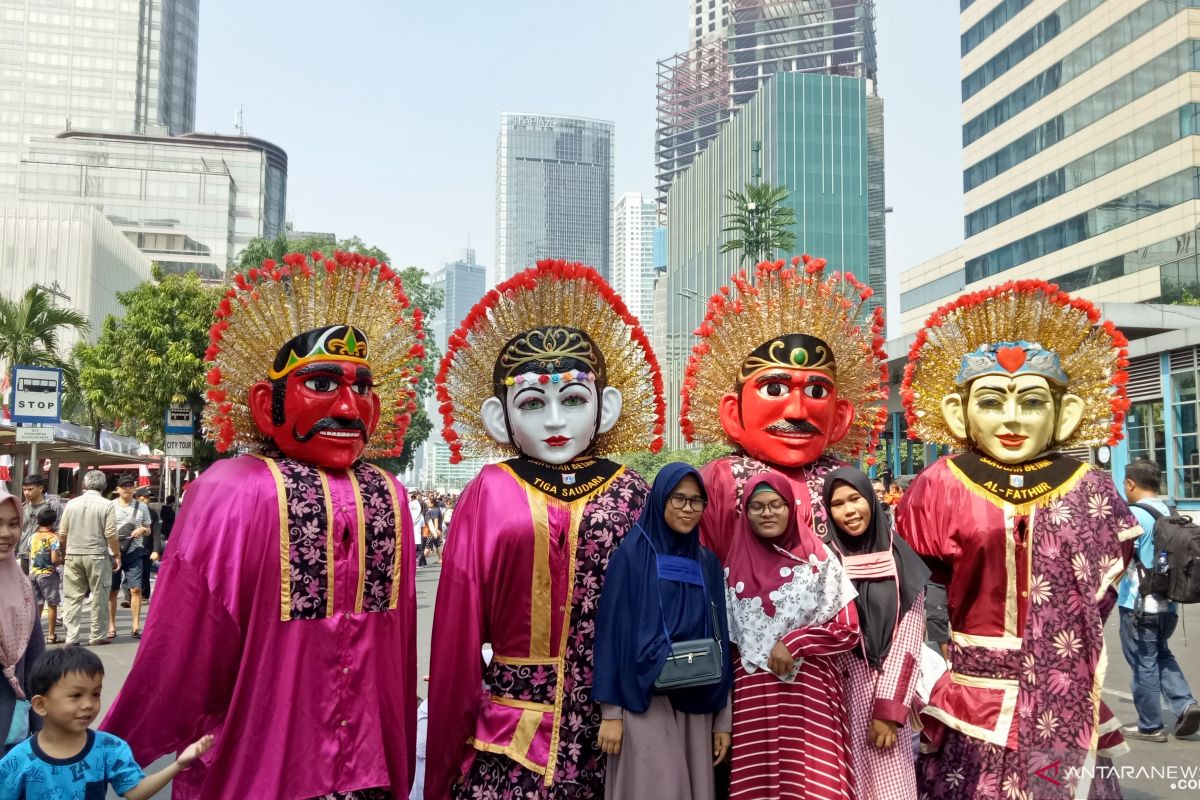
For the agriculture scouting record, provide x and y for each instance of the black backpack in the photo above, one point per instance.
(1179, 537)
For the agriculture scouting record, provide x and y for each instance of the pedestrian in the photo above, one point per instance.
(1148, 621)
(133, 525)
(34, 489)
(152, 547)
(882, 672)
(416, 511)
(66, 684)
(662, 590)
(433, 527)
(45, 552)
(88, 531)
(791, 612)
(20, 630)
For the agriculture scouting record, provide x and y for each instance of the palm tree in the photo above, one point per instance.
(32, 329)
(760, 223)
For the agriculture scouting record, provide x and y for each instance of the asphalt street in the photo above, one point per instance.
(1149, 772)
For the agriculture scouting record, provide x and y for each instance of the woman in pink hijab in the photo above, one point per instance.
(21, 639)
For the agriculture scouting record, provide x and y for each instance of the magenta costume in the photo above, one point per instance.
(282, 624)
(523, 571)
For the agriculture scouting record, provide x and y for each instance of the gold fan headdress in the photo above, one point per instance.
(770, 321)
(344, 308)
(971, 336)
(551, 300)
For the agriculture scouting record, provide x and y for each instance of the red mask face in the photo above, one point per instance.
(329, 413)
(787, 417)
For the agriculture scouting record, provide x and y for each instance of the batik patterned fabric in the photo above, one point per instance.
(523, 571)
(308, 530)
(1023, 697)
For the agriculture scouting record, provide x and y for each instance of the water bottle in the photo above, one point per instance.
(1162, 566)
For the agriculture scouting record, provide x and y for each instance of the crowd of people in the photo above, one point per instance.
(773, 624)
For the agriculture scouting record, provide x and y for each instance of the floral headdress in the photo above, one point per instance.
(1020, 327)
(554, 297)
(347, 307)
(783, 308)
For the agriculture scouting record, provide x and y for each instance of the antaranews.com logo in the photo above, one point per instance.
(1181, 777)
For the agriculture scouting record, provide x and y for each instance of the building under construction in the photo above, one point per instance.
(700, 89)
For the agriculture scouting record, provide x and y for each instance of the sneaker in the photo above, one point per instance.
(1134, 732)
(1189, 721)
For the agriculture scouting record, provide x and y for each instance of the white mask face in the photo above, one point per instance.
(552, 422)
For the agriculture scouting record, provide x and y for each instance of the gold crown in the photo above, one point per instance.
(545, 296)
(782, 301)
(1092, 354)
(266, 309)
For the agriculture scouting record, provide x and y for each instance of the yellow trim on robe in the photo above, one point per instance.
(527, 728)
(576, 508)
(330, 556)
(527, 705)
(507, 751)
(397, 510)
(989, 642)
(540, 589)
(285, 561)
(1008, 707)
(1010, 568)
(362, 540)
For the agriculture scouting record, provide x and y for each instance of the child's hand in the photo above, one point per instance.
(194, 751)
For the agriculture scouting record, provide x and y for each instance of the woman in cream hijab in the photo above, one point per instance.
(21, 639)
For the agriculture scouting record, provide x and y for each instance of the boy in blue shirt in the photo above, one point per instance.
(67, 759)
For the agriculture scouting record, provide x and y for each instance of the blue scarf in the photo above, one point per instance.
(655, 562)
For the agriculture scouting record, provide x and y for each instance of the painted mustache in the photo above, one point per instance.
(793, 426)
(332, 424)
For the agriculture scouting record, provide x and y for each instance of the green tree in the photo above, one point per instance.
(760, 223)
(259, 249)
(152, 357)
(32, 329)
(647, 464)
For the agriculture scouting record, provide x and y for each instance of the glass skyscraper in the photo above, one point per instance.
(554, 193)
(819, 136)
(111, 66)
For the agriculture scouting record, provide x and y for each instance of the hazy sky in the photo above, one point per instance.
(389, 109)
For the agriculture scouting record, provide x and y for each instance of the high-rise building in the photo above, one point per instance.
(111, 66)
(810, 133)
(708, 20)
(1081, 167)
(554, 192)
(463, 284)
(190, 202)
(74, 252)
(634, 220)
(700, 89)
(1079, 152)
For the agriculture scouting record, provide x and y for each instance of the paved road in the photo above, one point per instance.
(1150, 769)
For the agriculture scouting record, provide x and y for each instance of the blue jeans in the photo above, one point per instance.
(1144, 640)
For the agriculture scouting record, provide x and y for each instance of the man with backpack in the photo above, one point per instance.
(1148, 617)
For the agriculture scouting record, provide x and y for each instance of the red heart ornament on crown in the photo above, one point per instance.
(1011, 358)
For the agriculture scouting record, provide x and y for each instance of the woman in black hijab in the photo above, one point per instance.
(882, 673)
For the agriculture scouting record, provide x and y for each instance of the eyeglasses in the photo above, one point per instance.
(775, 506)
(680, 502)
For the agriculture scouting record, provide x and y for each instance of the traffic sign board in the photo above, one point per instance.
(179, 445)
(35, 433)
(36, 394)
(179, 420)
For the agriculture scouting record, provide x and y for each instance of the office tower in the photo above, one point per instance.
(554, 194)
(633, 272)
(190, 202)
(700, 89)
(111, 67)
